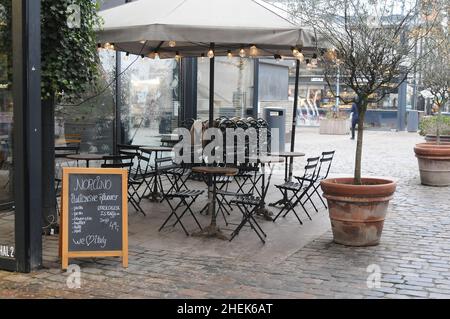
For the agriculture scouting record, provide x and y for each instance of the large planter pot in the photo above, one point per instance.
(334, 126)
(434, 163)
(357, 212)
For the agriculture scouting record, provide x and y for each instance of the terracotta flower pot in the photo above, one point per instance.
(357, 212)
(434, 163)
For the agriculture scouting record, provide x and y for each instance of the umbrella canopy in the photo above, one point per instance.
(189, 26)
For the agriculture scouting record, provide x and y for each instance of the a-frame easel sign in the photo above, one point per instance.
(94, 218)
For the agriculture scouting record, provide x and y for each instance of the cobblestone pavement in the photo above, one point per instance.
(413, 257)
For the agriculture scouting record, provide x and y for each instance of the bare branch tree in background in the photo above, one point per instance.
(374, 47)
(436, 69)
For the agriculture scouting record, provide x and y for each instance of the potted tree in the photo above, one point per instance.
(374, 51)
(434, 156)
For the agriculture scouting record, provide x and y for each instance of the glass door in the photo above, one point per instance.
(7, 215)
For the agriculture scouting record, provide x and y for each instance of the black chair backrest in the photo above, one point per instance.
(63, 151)
(310, 173)
(118, 161)
(325, 161)
(163, 162)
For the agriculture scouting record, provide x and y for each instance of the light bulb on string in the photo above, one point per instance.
(229, 54)
(177, 56)
(295, 52)
(172, 44)
(253, 50)
(202, 57)
(210, 53)
(156, 55)
(242, 53)
(112, 47)
(300, 56)
(314, 59)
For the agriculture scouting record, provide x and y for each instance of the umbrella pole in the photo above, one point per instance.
(294, 117)
(211, 89)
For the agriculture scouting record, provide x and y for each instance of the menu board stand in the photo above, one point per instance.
(94, 218)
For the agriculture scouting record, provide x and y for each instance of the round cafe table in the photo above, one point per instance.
(211, 173)
(86, 157)
(288, 169)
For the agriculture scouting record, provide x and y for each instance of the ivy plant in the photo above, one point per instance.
(69, 48)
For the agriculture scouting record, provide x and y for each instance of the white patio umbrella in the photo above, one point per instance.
(210, 28)
(147, 26)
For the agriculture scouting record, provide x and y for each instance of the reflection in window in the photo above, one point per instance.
(90, 124)
(233, 89)
(6, 130)
(150, 99)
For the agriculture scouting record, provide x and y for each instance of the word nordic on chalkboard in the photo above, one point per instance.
(94, 214)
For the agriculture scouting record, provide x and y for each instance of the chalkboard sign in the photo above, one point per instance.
(94, 214)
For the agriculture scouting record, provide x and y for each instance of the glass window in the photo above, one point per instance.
(150, 93)
(233, 88)
(90, 125)
(7, 217)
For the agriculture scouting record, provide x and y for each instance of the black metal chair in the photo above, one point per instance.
(178, 175)
(126, 162)
(322, 173)
(248, 206)
(298, 191)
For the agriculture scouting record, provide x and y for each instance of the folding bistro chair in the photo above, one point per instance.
(322, 173)
(126, 162)
(248, 206)
(299, 190)
(186, 197)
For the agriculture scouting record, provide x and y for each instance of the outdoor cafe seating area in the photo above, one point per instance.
(208, 198)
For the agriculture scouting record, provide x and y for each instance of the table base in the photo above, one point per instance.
(264, 212)
(211, 231)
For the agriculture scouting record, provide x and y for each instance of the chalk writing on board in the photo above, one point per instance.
(95, 212)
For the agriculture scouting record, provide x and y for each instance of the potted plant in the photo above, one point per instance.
(428, 128)
(335, 123)
(374, 56)
(434, 156)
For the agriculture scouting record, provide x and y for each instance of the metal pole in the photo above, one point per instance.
(338, 87)
(211, 89)
(117, 133)
(294, 116)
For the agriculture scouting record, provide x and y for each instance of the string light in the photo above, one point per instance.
(210, 53)
(202, 57)
(229, 54)
(253, 50)
(242, 53)
(142, 42)
(314, 59)
(295, 52)
(99, 47)
(111, 46)
(156, 55)
(126, 56)
(177, 56)
(172, 44)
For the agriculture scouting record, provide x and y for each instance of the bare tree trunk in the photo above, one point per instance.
(359, 142)
(438, 126)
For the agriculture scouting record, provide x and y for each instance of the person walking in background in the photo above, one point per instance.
(355, 116)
